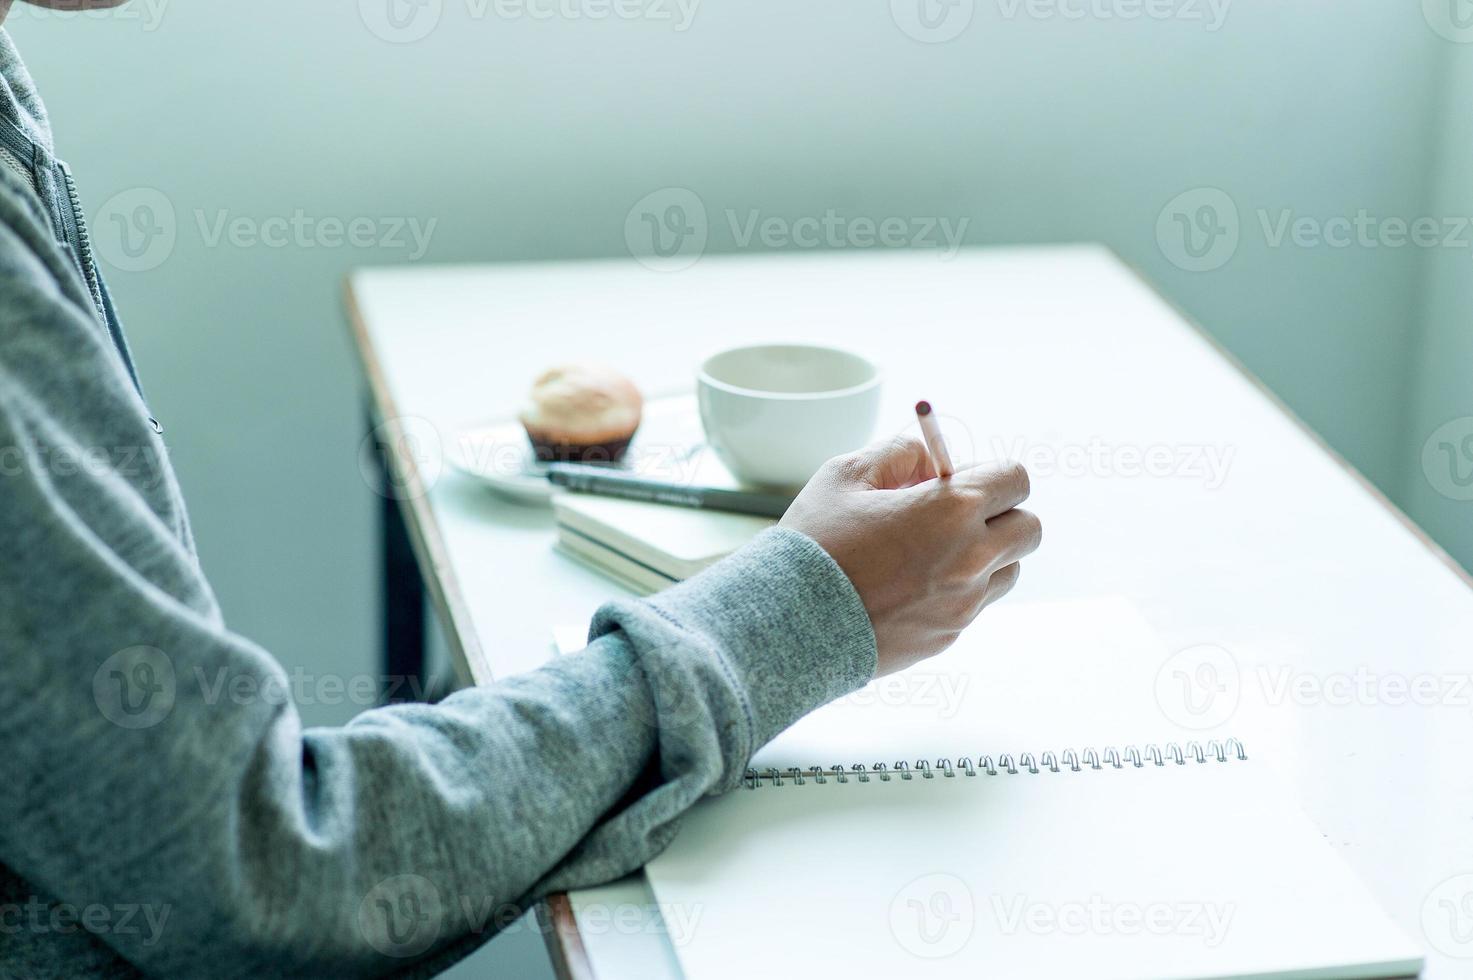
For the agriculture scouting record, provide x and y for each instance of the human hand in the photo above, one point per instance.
(926, 555)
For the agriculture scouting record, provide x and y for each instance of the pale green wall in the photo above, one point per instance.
(532, 138)
(1442, 392)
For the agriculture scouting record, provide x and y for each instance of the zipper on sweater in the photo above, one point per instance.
(76, 227)
(77, 224)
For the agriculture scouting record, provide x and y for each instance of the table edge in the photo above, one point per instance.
(1417, 531)
(425, 537)
(564, 944)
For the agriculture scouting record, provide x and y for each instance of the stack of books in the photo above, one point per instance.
(647, 546)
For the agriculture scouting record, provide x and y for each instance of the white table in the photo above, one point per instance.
(1293, 560)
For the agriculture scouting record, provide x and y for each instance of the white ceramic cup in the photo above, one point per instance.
(775, 412)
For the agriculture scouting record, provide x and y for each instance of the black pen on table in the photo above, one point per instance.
(587, 478)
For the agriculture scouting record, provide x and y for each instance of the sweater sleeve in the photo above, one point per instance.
(155, 758)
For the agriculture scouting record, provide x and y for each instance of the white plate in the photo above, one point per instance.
(669, 445)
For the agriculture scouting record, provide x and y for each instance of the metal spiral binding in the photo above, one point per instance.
(1109, 757)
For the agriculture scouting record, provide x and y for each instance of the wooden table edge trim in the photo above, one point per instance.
(424, 531)
(564, 944)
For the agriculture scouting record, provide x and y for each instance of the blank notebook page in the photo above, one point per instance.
(1195, 870)
(1184, 870)
(1026, 676)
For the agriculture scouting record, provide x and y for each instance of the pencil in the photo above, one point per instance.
(610, 482)
(935, 445)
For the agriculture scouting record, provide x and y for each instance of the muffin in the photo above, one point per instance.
(584, 413)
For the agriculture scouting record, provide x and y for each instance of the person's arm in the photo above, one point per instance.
(155, 758)
(161, 762)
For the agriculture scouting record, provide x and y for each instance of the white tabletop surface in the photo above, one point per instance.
(1281, 556)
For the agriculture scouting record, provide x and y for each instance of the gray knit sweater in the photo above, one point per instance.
(164, 811)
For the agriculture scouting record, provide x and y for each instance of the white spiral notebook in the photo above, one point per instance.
(1160, 858)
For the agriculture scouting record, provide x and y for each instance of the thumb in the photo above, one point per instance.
(891, 464)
